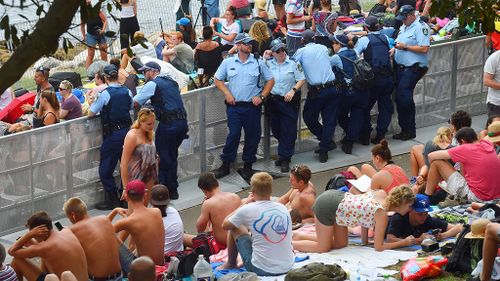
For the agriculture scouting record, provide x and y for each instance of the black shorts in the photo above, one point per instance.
(41, 277)
(279, 2)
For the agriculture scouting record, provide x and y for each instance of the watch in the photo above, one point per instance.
(294, 90)
(262, 97)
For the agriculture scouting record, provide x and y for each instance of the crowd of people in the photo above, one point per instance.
(262, 67)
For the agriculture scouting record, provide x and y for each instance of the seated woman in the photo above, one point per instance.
(71, 107)
(91, 95)
(335, 211)
(7, 129)
(124, 77)
(389, 175)
(207, 56)
(141, 47)
(229, 28)
(490, 120)
(49, 110)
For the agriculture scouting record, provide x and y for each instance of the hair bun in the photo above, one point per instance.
(384, 143)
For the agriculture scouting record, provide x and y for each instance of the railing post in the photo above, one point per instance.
(68, 161)
(30, 169)
(454, 69)
(202, 130)
(267, 138)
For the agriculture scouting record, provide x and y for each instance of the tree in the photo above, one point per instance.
(45, 37)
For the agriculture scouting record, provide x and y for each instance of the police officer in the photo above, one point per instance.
(354, 100)
(375, 48)
(172, 128)
(114, 104)
(284, 102)
(322, 97)
(411, 58)
(243, 97)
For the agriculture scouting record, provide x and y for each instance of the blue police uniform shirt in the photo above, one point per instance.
(243, 78)
(147, 91)
(315, 63)
(285, 75)
(363, 42)
(336, 61)
(417, 34)
(104, 97)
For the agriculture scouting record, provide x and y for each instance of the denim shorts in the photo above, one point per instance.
(93, 40)
(244, 245)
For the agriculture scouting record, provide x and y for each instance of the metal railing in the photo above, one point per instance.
(41, 168)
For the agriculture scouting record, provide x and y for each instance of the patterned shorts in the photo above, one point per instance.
(457, 185)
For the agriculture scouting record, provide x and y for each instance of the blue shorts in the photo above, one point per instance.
(93, 40)
(244, 245)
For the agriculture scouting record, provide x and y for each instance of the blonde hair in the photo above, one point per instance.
(66, 85)
(443, 134)
(143, 115)
(76, 206)
(400, 195)
(261, 184)
(259, 32)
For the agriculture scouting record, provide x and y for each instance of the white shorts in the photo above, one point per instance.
(457, 185)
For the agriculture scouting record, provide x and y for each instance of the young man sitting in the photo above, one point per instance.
(300, 198)
(172, 222)
(480, 166)
(145, 226)
(59, 251)
(7, 273)
(97, 237)
(268, 251)
(214, 209)
(418, 223)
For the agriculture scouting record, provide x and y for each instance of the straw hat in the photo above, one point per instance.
(477, 229)
(493, 132)
(260, 4)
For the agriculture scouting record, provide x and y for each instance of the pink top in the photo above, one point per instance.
(239, 3)
(398, 176)
(357, 210)
(481, 168)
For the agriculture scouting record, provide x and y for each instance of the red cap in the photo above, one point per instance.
(136, 187)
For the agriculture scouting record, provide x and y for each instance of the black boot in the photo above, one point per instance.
(285, 166)
(110, 202)
(323, 157)
(247, 172)
(364, 139)
(347, 146)
(222, 171)
(173, 194)
(377, 139)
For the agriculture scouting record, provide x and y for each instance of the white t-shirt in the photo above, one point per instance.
(296, 9)
(492, 66)
(5, 98)
(174, 231)
(140, 51)
(271, 228)
(228, 29)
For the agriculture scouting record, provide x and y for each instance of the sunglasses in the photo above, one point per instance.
(62, 89)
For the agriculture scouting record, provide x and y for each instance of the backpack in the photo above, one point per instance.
(208, 241)
(466, 253)
(364, 76)
(317, 272)
(188, 259)
(336, 182)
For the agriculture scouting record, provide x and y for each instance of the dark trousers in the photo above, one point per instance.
(493, 109)
(407, 79)
(283, 118)
(351, 113)
(326, 103)
(381, 94)
(128, 26)
(246, 117)
(168, 138)
(111, 153)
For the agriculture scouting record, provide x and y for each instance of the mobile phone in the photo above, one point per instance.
(436, 231)
(58, 225)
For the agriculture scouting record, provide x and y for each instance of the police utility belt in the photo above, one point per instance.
(169, 116)
(109, 277)
(108, 128)
(315, 89)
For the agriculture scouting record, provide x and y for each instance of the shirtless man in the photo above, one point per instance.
(216, 207)
(145, 226)
(97, 237)
(300, 198)
(59, 250)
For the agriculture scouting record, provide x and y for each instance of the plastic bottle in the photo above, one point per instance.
(202, 270)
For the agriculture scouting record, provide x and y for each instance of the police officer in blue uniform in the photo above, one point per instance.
(172, 128)
(322, 96)
(114, 104)
(354, 100)
(284, 102)
(243, 97)
(411, 59)
(375, 48)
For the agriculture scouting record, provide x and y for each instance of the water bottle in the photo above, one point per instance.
(202, 270)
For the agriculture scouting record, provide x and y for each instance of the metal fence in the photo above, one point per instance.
(41, 168)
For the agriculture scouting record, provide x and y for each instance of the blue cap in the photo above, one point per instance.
(110, 70)
(342, 39)
(183, 21)
(277, 44)
(404, 11)
(421, 204)
(243, 38)
(150, 66)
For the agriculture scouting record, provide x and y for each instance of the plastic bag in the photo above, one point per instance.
(426, 267)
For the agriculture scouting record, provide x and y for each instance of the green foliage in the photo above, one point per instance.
(470, 12)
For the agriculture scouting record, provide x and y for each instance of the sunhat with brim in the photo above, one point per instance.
(477, 229)
(493, 132)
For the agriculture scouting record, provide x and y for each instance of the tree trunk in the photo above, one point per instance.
(44, 40)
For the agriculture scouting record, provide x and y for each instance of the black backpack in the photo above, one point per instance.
(364, 76)
(466, 253)
(336, 182)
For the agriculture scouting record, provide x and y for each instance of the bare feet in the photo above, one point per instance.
(225, 265)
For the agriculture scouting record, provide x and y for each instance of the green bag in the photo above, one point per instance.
(317, 272)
